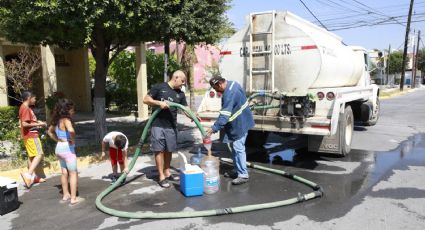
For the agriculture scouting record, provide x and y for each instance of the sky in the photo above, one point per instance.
(384, 21)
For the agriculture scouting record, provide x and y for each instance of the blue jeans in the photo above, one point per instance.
(239, 156)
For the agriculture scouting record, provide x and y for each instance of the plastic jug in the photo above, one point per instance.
(196, 159)
(207, 144)
(211, 165)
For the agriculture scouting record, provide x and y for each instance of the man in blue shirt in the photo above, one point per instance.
(236, 119)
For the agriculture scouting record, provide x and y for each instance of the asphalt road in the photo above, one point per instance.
(378, 186)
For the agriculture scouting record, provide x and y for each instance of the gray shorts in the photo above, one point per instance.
(163, 139)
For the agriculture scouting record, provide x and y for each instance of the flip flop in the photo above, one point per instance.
(39, 179)
(79, 200)
(173, 177)
(164, 183)
(27, 181)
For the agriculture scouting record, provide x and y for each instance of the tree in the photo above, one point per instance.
(190, 21)
(396, 60)
(196, 22)
(123, 69)
(107, 28)
(20, 70)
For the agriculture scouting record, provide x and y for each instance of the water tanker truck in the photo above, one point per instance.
(300, 79)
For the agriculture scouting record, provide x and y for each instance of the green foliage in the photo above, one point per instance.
(9, 129)
(108, 27)
(9, 123)
(395, 62)
(194, 21)
(155, 67)
(92, 65)
(123, 77)
(73, 24)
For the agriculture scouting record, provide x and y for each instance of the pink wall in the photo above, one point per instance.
(206, 56)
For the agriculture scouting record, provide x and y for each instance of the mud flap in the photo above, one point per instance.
(328, 144)
(325, 144)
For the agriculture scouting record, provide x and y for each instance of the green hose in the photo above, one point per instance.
(264, 94)
(213, 212)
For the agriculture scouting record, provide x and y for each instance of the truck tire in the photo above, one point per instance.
(346, 130)
(256, 138)
(375, 115)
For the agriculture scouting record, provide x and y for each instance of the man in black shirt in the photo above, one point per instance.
(164, 127)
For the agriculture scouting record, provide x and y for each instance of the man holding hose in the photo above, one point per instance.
(236, 119)
(164, 127)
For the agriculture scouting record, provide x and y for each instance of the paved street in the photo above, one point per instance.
(378, 186)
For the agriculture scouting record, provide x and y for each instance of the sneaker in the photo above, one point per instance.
(240, 180)
(230, 174)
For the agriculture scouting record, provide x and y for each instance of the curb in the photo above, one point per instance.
(398, 93)
(51, 168)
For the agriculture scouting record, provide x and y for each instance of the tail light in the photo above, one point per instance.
(330, 96)
(320, 95)
(219, 94)
(212, 94)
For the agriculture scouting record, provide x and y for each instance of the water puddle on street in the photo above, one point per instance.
(362, 169)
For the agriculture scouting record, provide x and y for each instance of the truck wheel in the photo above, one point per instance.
(346, 131)
(375, 115)
(256, 138)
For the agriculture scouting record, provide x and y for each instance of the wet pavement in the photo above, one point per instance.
(378, 186)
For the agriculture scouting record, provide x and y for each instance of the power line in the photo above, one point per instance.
(362, 17)
(313, 14)
(377, 11)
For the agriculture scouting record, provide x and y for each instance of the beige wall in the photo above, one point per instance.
(65, 71)
(142, 83)
(73, 77)
(3, 86)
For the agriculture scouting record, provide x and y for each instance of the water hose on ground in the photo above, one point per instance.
(212, 212)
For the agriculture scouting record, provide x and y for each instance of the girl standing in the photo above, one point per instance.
(62, 131)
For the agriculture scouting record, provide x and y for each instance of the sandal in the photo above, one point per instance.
(78, 201)
(173, 177)
(164, 183)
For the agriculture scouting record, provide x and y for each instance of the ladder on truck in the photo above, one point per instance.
(267, 72)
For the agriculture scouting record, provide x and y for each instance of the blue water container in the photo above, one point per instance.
(192, 182)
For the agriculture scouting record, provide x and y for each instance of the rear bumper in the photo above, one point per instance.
(311, 126)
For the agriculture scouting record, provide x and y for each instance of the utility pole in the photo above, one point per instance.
(406, 38)
(413, 61)
(415, 64)
(388, 64)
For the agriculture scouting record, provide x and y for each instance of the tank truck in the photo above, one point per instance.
(300, 79)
